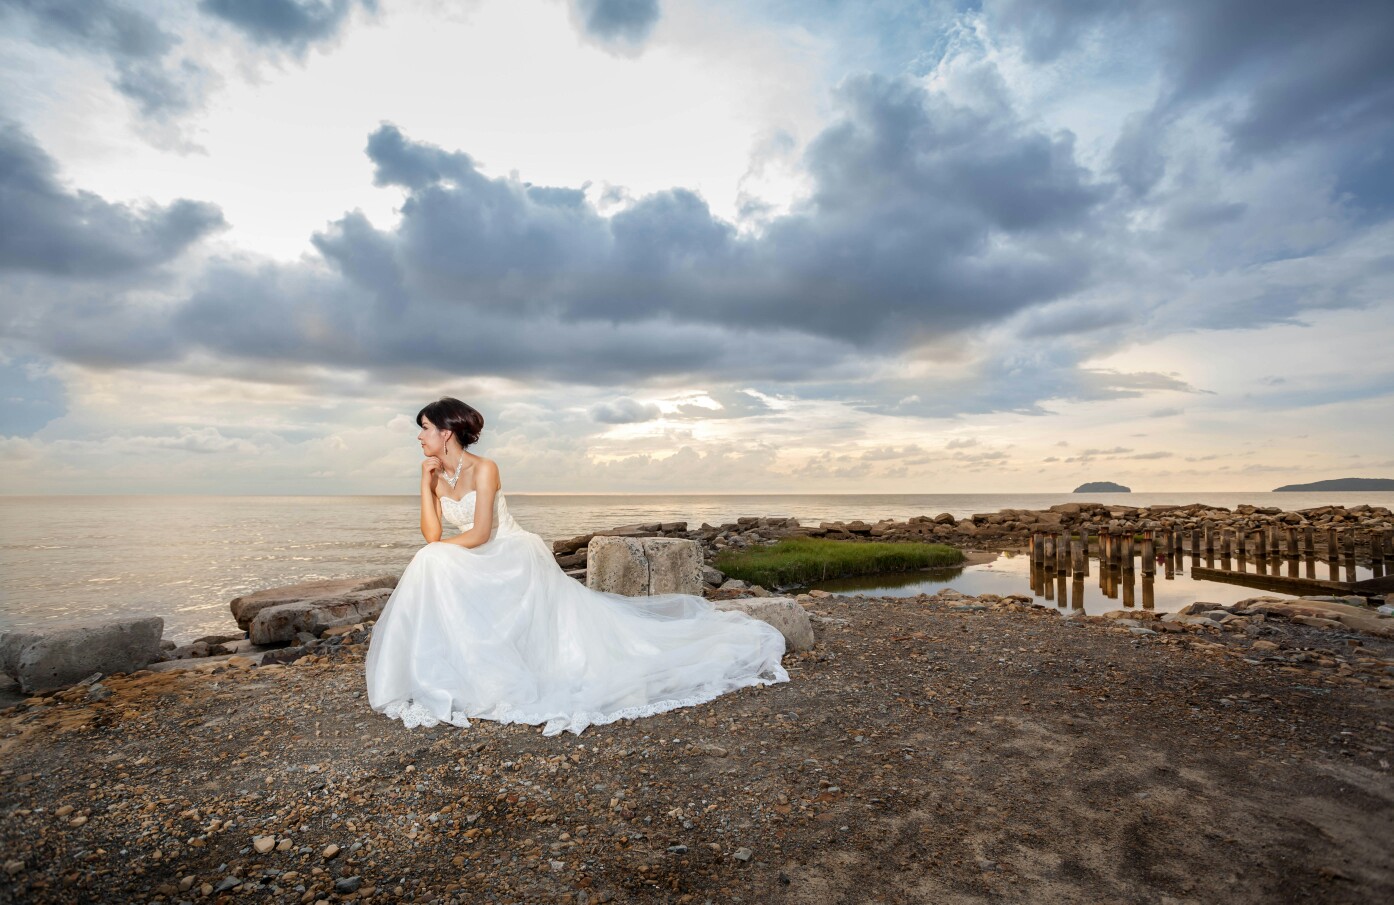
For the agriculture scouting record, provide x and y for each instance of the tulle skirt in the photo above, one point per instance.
(500, 632)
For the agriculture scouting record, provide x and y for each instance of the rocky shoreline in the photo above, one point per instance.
(930, 749)
(304, 616)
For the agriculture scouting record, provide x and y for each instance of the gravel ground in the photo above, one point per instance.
(942, 750)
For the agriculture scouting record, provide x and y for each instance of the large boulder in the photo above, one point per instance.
(643, 566)
(617, 565)
(784, 613)
(49, 659)
(675, 565)
(246, 607)
(282, 622)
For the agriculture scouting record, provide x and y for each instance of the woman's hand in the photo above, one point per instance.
(429, 468)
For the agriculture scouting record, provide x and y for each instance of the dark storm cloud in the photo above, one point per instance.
(1293, 70)
(138, 48)
(45, 228)
(292, 25)
(925, 218)
(626, 22)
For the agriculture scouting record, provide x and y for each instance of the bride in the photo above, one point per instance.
(486, 625)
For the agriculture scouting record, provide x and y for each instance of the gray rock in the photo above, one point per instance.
(784, 613)
(617, 565)
(246, 607)
(712, 576)
(284, 621)
(47, 660)
(675, 565)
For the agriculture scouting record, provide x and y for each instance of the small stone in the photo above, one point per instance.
(14, 867)
(330, 851)
(677, 849)
(79, 820)
(1263, 645)
(348, 884)
(227, 883)
(743, 854)
(284, 845)
(263, 844)
(556, 865)
(64, 811)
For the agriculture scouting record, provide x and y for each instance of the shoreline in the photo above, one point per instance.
(926, 749)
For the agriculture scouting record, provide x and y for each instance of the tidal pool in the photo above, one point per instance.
(1010, 573)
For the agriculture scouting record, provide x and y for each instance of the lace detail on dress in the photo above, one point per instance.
(412, 714)
(460, 511)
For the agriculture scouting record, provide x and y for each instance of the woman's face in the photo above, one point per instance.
(432, 438)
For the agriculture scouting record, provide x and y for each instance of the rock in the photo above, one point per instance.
(675, 565)
(282, 622)
(1263, 645)
(640, 567)
(347, 884)
(47, 660)
(712, 576)
(330, 851)
(945, 518)
(263, 844)
(784, 613)
(617, 565)
(1344, 616)
(246, 607)
(743, 854)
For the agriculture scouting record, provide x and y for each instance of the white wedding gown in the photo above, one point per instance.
(500, 632)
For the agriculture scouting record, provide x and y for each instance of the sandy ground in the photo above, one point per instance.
(928, 750)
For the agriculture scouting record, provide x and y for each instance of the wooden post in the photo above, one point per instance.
(1128, 551)
(1291, 552)
(1149, 556)
(1077, 557)
(1377, 547)
(1050, 549)
(1062, 558)
(1084, 541)
(1309, 541)
(1195, 547)
(1209, 539)
(1333, 545)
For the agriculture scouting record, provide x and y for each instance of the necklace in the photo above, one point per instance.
(452, 480)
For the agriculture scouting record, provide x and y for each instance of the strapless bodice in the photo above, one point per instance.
(461, 512)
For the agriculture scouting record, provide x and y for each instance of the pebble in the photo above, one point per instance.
(348, 884)
(330, 851)
(743, 854)
(263, 844)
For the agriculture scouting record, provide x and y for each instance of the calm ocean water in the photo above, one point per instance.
(184, 558)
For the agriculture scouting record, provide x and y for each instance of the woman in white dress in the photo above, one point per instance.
(486, 625)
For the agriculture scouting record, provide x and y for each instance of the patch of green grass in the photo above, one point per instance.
(800, 561)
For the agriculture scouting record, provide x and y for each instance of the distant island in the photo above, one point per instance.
(1340, 484)
(1102, 487)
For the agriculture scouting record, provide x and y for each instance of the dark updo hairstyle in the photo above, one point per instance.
(447, 413)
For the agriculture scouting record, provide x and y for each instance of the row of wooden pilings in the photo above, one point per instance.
(1068, 552)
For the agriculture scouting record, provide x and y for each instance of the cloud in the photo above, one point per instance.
(624, 411)
(47, 229)
(290, 25)
(139, 49)
(617, 25)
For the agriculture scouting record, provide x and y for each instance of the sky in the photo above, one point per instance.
(699, 247)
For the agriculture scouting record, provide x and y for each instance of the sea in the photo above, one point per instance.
(183, 558)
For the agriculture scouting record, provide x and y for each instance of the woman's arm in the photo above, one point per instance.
(486, 487)
(430, 504)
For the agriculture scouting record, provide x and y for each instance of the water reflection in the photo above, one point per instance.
(1117, 585)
